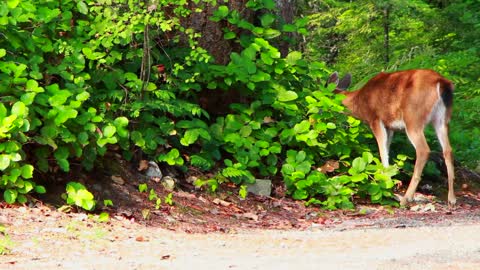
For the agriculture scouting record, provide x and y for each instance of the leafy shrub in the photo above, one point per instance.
(80, 76)
(77, 194)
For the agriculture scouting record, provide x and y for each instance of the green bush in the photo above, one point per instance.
(79, 76)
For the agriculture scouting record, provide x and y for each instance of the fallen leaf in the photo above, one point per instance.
(329, 166)
(268, 120)
(143, 165)
(221, 202)
(118, 179)
(141, 238)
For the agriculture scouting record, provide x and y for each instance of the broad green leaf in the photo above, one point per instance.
(40, 189)
(267, 19)
(12, 3)
(289, 28)
(302, 184)
(190, 137)
(304, 167)
(221, 12)
(359, 165)
(82, 7)
(121, 121)
(285, 96)
(302, 127)
(59, 98)
(300, 194)
(260, 76)
(61, 153)
(266, 58)
(19, 109)
(4, 162)
(109, 131)
(27, 187)
(64, 115)
(28, 98)
(293, 57)
(358, 177)
(331, 125)
(204, 134)
(288, 168)
(46, 15)
(82, 138)
(264, 152)
(3, 52)
(64, 165)
(229, 35)
(301, 155)
(82, 96)
(268, 4)
(3, 111)
(11, 146)
(271, 33)
(10, 195)
(27, 171)
(367, 157)
(22, 198)
(245, 131)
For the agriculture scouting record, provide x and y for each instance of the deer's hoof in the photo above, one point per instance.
(452, 201)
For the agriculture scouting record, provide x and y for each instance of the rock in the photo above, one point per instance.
(153, 172)
(262, 187)
(248, 215)
(429, 207)
(168, 183)
(191, 179)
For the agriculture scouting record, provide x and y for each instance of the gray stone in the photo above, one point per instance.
(262, 187)
(153, 171)
(191, 179)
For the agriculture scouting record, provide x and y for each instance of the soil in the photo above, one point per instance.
(223, 231)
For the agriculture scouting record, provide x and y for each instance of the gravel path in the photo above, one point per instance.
(76, 245)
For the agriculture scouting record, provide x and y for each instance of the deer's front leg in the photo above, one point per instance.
(383, 137)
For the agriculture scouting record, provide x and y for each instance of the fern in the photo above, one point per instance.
(238, 175)
(201, 162)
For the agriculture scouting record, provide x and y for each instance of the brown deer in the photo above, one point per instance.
(405, 100)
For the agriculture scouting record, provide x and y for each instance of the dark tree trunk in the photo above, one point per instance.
(212, 34)
(287, 9)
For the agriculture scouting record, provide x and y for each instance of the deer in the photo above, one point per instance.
(406, 100)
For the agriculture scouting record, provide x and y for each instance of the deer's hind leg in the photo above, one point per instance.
(441, 128)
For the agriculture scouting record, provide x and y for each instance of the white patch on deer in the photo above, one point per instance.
(437, 118)
(397, 124)
(385, 146)
(437, 115)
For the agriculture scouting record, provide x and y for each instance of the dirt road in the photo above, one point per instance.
(50, 243)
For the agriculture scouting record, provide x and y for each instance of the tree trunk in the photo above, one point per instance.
(212, 34)
(386, 30)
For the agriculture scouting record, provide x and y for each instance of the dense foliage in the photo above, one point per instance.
(79, 78)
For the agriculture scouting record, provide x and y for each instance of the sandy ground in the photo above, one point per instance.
(78, 242)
